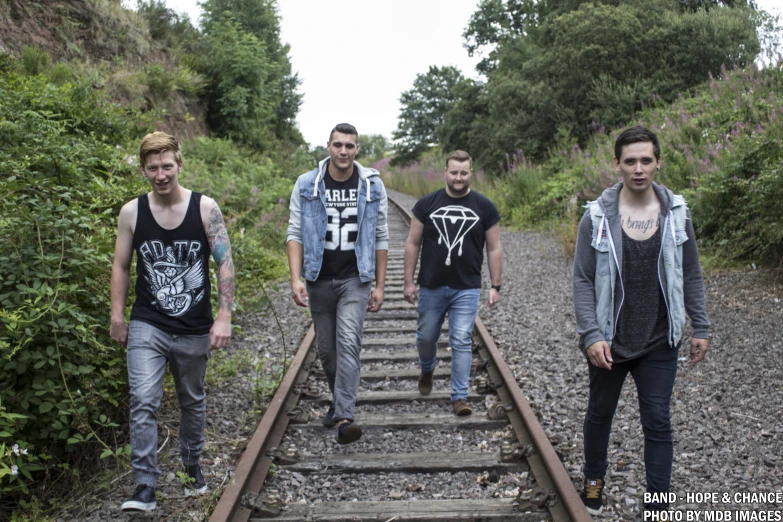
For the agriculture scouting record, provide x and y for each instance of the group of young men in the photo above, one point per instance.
(636, 273)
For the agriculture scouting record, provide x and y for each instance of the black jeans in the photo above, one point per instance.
(654, 375)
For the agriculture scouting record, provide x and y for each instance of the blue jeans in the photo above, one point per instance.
(654, 375)
(338, 307)
(462, 306)
(149, 349)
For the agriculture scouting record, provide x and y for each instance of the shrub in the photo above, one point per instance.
(35, 61)
(160, 81)
(60, 374)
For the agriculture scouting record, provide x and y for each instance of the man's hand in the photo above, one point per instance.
(410, 293)
(699, 349)
(119, 331)
(600, 355)
(299, 291)
(494, 297)
(220, 333)
(376, 300)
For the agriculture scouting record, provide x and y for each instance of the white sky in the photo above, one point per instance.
(356, 57)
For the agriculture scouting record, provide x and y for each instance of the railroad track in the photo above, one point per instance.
(494, 465)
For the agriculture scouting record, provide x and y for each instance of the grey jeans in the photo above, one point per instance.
(338, 307)
(149, 349)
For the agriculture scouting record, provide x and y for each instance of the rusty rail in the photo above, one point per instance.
(254, 464)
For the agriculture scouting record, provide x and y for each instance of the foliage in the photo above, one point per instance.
(269, 99)
(423, 110)
(252, 194)
(720, 147)
(372, 147)
(167, 26)
(64, 179)
(66, 172)
(600, 62)
(35, 61)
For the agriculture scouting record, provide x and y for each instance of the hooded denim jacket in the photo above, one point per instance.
(307, 221)
(598, 286)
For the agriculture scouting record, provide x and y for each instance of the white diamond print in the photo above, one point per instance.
(453, 214)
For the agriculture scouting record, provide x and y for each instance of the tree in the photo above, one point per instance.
(238, 104)
(372, 147)
(260, 19)
(423, 110)
(599, 62)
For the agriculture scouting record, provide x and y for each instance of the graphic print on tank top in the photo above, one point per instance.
(453, 223)
(174, 275)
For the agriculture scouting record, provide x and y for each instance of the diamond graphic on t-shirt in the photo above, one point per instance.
(453, 223)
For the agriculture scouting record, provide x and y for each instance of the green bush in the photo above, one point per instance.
(160, 81)
(64, 180)
(35, 61)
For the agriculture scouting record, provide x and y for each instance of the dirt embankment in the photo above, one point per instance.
(97, 33)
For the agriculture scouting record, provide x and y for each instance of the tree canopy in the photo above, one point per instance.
(560, 68)
(424, 108)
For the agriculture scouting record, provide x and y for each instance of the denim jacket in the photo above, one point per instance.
(598, 285)
(307, 220)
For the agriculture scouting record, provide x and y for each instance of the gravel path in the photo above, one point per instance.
(727, 410)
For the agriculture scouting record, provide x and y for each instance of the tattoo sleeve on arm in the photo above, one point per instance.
(219, 244)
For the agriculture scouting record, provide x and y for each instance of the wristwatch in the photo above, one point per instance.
(496, 287)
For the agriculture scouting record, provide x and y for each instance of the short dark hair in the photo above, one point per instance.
(637, 134)
(344, 128)
(459, 155)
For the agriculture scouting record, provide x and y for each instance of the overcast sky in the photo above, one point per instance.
(355, 57)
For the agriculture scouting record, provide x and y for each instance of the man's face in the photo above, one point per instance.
(162, 171)
(458, 177)
(342, 150)
(637, 166)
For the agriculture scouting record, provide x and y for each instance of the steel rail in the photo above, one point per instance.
(230, 499)
(254, 464)
(559, 476)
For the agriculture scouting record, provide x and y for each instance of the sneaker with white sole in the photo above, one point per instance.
(592, 495)
(198, 486)
(143, 499)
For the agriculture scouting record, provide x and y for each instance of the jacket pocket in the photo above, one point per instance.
(680, 237)
(602, 256)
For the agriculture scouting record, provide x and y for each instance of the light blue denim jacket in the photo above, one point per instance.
(598, 285)
(307, 220)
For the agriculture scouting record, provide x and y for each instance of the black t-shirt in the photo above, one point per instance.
(342, 227)
(643, 325)
(453, 245)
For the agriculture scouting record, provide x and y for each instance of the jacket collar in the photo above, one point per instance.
(608, 200)
(364, 175)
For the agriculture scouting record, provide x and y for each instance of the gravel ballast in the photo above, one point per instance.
(727, 409)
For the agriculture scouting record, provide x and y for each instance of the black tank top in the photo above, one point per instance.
(172, 272)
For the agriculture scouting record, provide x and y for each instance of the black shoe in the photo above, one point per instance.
(329, 421)
(198, 486)
(143, 499)
(348, 432)
(425, 382)
(592, 495)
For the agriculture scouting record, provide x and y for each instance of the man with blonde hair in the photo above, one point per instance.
(173, 231)
(451, 227)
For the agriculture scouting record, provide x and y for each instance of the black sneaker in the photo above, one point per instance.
(143, 499)
(329, 421)
(198, 486)
(348, 432)
(592, 495)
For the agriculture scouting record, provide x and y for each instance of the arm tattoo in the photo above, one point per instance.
(219, 244)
